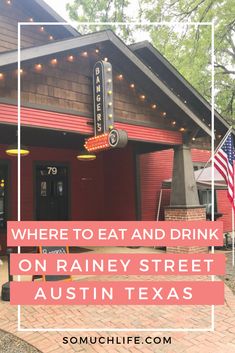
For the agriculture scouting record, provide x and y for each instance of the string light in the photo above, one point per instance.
(182, 129)
(97, 143)
(54, 61)
(110, 116)
(97, 50)
(38, 67)
(193, 139)
(185, 101)
(41, 29)
(51, 37)
(71, 58)
(9, 2)
(21, 71)
(173, 123)
(31, 19)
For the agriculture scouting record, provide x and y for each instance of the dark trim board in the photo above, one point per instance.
(41, 10)
(9, 58)
(158, 63)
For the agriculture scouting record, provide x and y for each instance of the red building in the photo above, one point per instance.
(158, 109)
(162, 162)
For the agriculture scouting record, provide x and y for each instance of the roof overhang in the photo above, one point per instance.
(203, 178)
(42, 12)
(124, 58)
(167, 72)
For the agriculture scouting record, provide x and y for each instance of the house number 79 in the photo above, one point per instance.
(52, 170)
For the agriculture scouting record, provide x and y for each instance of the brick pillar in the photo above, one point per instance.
(197, 213)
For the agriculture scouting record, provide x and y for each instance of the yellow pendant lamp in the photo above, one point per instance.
(86, 156)
(13, 151)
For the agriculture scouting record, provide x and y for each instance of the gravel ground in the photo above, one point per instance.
(12, 344)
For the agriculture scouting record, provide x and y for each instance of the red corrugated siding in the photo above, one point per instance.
(119, 196)
(103, 189)
(224, 207)
(200, 155)
(156, 167)
(53, 120)
(43, 118)
(142, 133)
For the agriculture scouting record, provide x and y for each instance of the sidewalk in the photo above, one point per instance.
(222, 340)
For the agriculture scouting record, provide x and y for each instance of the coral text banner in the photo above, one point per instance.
(132, 233)
(118, 293)
(117, 264)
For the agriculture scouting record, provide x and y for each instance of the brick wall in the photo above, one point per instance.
(185, 214)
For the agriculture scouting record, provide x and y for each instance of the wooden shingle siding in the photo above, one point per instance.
(68, 86)
(9, 18)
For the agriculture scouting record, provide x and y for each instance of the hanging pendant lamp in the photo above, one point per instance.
(86, 156)
(13, 151)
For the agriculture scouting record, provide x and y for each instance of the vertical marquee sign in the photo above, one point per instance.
(103, 97)
(105, 136)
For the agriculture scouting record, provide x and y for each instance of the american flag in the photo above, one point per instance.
(223, 162)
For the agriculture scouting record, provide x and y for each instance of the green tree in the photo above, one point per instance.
(188, 48)
(100, 11)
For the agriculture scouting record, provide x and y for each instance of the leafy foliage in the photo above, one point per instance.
(187, 47)
(100, 11)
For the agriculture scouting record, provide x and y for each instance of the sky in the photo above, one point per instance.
(59, 7)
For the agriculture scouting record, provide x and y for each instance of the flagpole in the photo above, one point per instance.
(233, 236)
(216, 150)
(233, 223)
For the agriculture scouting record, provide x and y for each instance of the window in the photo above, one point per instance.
(205, 199)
